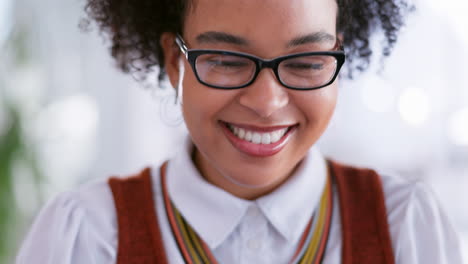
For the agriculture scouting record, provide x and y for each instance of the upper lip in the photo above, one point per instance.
(269, 128)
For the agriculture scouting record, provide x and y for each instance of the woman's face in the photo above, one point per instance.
(266, 29)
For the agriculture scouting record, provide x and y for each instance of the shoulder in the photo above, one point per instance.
(409, 198)
(401, 192)
(91, 202)
(420, 229)
(77, 226)
(72, 227)
(96, 199)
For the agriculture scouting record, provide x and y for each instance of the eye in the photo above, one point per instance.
(227, 63)
(224, 64)
(304, 65)
(224, 61)
(308, 65)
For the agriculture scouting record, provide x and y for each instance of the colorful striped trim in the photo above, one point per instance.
(318, 235)
(194, 250)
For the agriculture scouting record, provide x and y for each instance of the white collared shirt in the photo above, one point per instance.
(81, 226)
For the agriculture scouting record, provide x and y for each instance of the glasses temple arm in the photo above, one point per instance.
(182, 46)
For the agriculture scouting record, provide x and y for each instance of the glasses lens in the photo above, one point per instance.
(224, 70)
(307, 71)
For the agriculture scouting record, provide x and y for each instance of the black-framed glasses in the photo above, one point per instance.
(233, 70)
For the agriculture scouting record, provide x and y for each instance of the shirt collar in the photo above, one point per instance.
(214, 213)
(290, 207)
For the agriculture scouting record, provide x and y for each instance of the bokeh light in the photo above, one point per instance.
(377, 94)
(413, 106)
(65, 134)
(5, 19)
(458, 127)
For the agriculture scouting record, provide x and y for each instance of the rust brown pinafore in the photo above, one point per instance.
(365, 232)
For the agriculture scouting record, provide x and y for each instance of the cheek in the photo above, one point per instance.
(194, 110)
(318, 106)
(202, 106)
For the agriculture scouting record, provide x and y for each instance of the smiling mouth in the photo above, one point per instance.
(258, 137)
(258, 141)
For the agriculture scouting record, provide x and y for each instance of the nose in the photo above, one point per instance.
(265, 95)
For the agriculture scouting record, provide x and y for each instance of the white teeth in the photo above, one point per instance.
(275, 136)
(257, 137)
(266, 138)
(248, 136)
(241, 133)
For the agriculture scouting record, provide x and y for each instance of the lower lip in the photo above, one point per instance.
(258, 150)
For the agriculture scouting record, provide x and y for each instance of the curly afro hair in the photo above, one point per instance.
(135, 27)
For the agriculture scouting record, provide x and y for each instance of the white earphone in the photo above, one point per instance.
(179, 82)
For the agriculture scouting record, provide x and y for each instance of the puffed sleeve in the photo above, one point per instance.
(64, 233)
(425, 234)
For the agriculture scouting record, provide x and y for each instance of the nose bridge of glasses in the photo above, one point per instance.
(266, 64)
(271, 64)
(271, 75)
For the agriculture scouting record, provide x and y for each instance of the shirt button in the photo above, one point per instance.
(254, 244)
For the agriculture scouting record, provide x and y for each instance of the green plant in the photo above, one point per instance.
(10, 148)
(15, 151)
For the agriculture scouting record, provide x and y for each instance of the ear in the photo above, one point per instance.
(171, 56)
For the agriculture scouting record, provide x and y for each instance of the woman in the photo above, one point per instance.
(257, 84)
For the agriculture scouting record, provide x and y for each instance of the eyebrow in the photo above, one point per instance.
(217, 37)
(212, 37)
(317, 37)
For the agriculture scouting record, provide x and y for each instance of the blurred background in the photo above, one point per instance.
(67, 116)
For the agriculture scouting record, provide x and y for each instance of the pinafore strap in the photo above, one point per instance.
(365, 232)
(138, 230)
